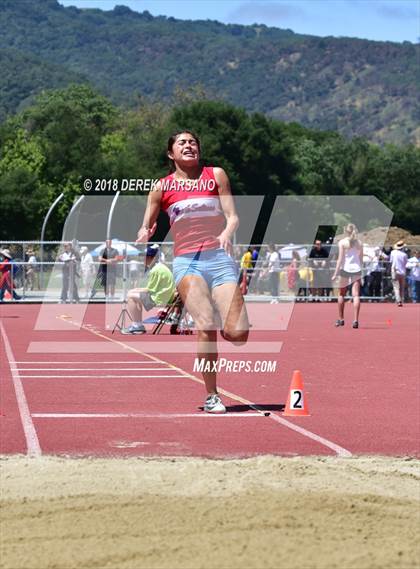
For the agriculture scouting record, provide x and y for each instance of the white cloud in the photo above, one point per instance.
(397, 11)
(269, 13)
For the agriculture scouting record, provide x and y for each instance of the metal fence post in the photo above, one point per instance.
(44, 225)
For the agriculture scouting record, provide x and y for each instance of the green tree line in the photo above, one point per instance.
(71, 134)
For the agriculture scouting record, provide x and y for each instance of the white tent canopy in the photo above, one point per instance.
(287, 251)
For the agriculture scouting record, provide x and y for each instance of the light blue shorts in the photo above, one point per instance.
(216, 267)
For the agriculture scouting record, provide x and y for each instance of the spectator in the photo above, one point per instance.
(306, 278)
(262, 278)
(134, 271)
(398, 271)
(31, 269)
(318, 261)
(293, 272)
(255, 254)
(273, 271)
(6, 275)
(413, 264)
(108, 268)
(246, 268)
(254, 274)
(387, 289)
(69, 258)
(246, 259)
(160, 290)
(375, 271)
(87, 270)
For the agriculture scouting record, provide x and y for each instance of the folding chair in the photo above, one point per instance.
(171, 314)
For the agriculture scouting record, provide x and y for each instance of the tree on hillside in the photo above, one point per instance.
(253, 150)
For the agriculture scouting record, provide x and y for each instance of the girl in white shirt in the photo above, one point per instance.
(349, 270)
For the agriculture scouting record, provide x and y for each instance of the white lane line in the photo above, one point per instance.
(90, 362)
(155, 346)
(91, 369)
(141, 415)
(31, 437)
(333, 446)
(97, 376)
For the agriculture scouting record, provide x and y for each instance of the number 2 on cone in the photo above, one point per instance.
(296, 399)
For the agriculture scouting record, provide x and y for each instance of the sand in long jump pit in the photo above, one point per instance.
(266, 512)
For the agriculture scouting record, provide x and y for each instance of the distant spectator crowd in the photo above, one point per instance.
(391, 273)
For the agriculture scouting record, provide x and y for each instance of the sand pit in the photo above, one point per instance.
(266, 512)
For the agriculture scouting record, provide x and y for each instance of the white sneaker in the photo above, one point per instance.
(134, 329)
(213, 404)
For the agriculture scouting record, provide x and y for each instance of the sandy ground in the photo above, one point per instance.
(266, 512)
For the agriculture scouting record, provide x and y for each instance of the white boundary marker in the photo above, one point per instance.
(101, 376)
(90, 362)
(142, 415)
(158, 347)
(90, 369)
(336, 448)
(32, 442)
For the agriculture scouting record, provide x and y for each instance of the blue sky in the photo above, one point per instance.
(392, 20)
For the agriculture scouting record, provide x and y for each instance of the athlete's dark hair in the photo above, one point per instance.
(172, 140)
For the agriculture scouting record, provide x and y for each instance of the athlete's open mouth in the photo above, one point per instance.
(188, 153)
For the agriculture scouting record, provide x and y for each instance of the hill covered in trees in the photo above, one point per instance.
(356, 87)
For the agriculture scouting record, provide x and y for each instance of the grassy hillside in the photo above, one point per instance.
(24, 76)
(357, 87)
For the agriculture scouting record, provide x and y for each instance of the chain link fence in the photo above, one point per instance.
(38, 275)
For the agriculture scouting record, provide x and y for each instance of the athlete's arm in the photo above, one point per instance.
(339, 260)
(228, 207)
(148, 226)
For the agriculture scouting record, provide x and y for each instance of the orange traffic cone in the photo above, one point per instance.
(296, 405)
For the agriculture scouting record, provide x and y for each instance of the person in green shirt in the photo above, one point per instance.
(159, 291)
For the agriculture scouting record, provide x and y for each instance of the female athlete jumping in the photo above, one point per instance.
(203, 219)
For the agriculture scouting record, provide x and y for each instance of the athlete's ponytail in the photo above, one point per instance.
(351, 232)
(171, 142)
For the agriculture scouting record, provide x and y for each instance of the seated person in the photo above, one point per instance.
(159, 290)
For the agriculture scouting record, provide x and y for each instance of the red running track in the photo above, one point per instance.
(87, 392)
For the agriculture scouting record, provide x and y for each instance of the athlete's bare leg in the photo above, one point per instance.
(134, 305)
(355, 291)
(341, 294)
(231, 306)
(196, 297)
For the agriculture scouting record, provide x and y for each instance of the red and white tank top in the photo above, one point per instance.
(194, 210)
